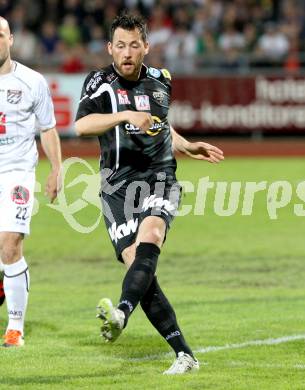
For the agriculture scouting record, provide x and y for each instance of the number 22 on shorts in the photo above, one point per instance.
(2, 123)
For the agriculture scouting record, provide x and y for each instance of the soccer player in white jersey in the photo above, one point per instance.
(25, 105)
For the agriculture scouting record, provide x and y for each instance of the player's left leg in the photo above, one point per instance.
(16, 286)
(162, 316)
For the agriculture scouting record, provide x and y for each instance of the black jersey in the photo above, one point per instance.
(125, 149)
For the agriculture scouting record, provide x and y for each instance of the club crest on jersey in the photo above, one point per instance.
(20, 195)
(142, 103)
(154, 72)
(13, 96)
(123, 96)
(159, 96)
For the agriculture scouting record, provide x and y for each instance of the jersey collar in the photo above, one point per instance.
(143, 73)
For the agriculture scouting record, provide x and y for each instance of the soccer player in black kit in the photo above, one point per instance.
(126, 106)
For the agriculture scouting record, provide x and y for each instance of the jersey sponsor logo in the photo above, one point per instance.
(166, 74)
(94, 81)
(142, 103)
(154, 72)
(153, 130)
(123, 96)
(7, 141)
(131, 129)
(125, 229)
(156, 127)
(20, 195)
(111, 77)
(13, 96)
(2, 123)
(153, 202)
(159, 96)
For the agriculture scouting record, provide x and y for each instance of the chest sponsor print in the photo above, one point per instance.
(154, 130)
(123, 96)
(142, 103)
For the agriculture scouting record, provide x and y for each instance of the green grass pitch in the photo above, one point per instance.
(232, 280)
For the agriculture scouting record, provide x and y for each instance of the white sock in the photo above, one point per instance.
(16, 285)
(1, 266)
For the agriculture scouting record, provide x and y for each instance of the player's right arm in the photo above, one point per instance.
(98, 124)
(93, 117)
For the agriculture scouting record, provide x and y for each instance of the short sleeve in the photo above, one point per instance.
(87, 104)
(167, 79)
(43, 106)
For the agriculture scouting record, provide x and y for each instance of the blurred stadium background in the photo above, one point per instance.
(238, 65)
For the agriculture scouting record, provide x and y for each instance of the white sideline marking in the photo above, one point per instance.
(271, 341)
(267, 365)
(251, 343)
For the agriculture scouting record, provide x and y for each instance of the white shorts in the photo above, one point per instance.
(16, 201)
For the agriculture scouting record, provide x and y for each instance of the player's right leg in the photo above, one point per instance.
(121, 217)
(136, 281)
(122, 232)
(112, 319)
(16, 203)
(141, 272)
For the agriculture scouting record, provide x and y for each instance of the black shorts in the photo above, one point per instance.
(126, 204)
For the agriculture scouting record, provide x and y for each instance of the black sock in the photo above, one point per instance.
(139, 277)
(162, 316)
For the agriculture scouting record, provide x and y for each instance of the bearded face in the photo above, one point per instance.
(128, 50)
(6, 41)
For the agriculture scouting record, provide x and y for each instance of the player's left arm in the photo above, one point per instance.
(197, 150)
(51, 145)
(45, 119)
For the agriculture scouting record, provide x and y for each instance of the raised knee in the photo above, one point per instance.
(128, 255)
(154, 236)
(10, 249)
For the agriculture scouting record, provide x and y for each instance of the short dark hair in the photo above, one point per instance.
(129, 22)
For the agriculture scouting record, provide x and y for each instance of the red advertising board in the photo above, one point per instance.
(62, 107)
(238, 104)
